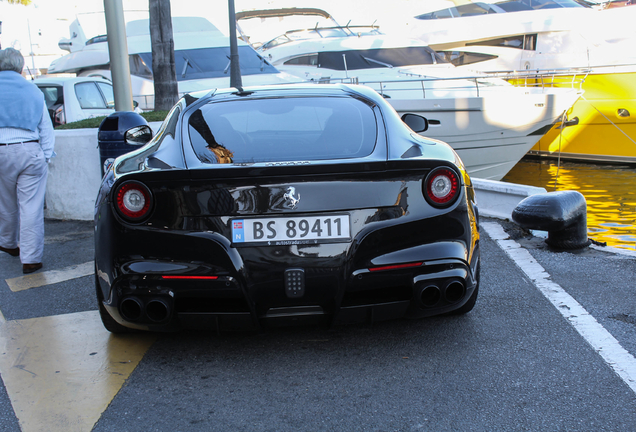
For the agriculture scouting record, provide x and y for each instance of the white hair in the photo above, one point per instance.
(11, 60)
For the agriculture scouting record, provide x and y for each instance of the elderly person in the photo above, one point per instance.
(26, 145)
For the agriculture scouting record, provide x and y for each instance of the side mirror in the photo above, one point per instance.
(416, 122)
(138, 136)
(135, 104)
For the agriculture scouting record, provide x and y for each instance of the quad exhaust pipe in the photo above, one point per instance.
(131, 309)
(155, 310)
(431, 294)
(454, 291)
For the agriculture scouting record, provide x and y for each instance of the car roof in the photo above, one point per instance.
(272, 91)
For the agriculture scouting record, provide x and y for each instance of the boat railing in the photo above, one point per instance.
(474, 85)
(147, 102)
(565, 77)
(349, 30)
(426, 85)
(609, 68)
(412, 86)
(560, 77)
(317, 32)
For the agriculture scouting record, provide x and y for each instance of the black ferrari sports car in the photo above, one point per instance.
(284, 204)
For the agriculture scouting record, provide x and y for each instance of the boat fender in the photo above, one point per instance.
(562, 214)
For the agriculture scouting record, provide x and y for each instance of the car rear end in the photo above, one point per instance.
(258, 231)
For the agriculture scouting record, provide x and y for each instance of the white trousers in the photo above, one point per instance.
(23, 174)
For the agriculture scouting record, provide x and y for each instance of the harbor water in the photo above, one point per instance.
(609, 190)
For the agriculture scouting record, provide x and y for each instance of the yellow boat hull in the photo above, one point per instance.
(606, 129)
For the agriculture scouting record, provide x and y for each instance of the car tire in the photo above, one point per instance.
(108, 321)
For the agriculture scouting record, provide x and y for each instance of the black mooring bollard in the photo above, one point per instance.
(562, 214)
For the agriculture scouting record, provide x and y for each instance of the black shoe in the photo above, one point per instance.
(30, 268)
(12, 252)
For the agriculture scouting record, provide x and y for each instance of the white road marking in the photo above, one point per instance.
(606, 345)
(35, 280)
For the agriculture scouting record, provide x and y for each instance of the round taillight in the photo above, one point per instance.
(133, 200)
(442, 187)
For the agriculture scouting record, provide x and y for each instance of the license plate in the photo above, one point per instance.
(290, 230)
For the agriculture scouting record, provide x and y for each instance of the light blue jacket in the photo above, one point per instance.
(20, 102)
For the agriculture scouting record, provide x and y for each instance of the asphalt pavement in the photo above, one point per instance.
(550, 346)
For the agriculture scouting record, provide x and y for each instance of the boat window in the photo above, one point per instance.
(321, 33)
(514, 6)
(469, 9)
(138, 67)
(440, 14)
(528, 42)
(459, 58)
(521, 5)
(282, 130)
(478, 8)
(97, 39)
(305, 60)
(472, 9)
(214, 62)
(375, 58)
(276, 41)
(313, 33)
(89, 96)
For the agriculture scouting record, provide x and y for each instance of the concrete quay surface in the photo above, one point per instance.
(550, 346)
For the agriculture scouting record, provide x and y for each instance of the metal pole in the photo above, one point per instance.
(31, 49)
(235, 68)
(118, 53)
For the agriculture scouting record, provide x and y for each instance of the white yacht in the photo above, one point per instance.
(202, 55)
(489, 122)
(526, 34)
(543, 38)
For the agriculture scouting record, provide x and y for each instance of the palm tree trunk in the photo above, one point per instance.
(163, 64)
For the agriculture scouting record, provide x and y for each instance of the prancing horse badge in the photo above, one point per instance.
(289, 197)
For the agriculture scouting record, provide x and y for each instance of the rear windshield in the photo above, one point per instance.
(283, 129)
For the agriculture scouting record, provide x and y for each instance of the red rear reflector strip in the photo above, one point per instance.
(396, 266)
(190, 277)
